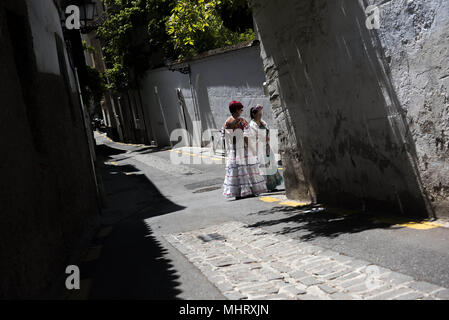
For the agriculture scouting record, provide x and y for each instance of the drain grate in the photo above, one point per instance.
(206, 183)
(208, 189)
(211, 237)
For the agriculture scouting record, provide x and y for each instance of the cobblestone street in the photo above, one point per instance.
(249, 263)
(173, 236)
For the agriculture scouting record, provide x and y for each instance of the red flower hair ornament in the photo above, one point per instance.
(235, 106)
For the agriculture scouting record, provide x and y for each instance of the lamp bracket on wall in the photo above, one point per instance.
(183, 68)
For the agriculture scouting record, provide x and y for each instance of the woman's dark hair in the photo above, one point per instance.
(235, 106)
(254, 111)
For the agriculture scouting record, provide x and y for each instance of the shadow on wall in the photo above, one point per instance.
(48, 196)
(159, 94)
(132, 262)
(336, 85)
(186, 120)
(312, 222)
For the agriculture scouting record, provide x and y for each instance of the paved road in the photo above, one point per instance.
(149, 245)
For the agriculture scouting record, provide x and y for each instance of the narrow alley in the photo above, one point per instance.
(209, 156)
(168, 234)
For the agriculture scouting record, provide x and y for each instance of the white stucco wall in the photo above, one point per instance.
(164, 105)
(216, 80)
(236, 75)
(44, 21)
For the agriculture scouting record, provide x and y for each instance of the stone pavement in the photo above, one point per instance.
(249, 263)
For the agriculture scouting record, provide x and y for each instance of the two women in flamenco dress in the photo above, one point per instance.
(250, 165)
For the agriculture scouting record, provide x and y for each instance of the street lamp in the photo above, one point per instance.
(87, 12)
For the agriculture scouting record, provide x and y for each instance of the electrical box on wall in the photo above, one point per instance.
(265, 89)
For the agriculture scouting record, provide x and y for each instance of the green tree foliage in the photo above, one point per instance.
(196, 26)
(141, 34)
(132, 32)
(88, 48)
(96, 86)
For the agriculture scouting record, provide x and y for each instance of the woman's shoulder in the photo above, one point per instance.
(253, 123)
(243, 122)
(229, 121)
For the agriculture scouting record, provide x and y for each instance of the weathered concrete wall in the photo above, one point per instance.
(296, 184)
(214, 82)
(48, 197)
(368, 107)
(414, 36)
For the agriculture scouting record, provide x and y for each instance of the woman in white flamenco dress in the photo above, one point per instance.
(243, 177)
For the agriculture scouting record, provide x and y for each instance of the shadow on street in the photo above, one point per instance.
(131, 264)
(315, 221)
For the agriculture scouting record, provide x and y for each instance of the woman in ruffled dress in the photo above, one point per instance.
(259, 134)
(243, 177)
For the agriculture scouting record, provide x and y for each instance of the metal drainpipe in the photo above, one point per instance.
(195, 105)
(133, 115)
(182, 104)
(156, 93)
(139, 102)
